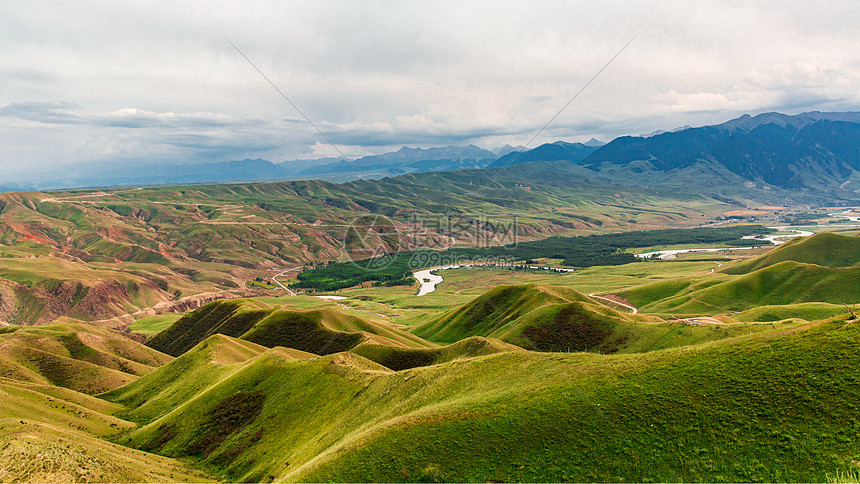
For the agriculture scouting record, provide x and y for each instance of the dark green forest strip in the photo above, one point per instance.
(584, 251)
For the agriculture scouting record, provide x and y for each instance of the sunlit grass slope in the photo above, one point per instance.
(805, 278)
(320, 331)
(53, 433)
(773, 406)
(40, 452)
(825, 249)
(398, 358)
(152, 325)
(551, 318)
(186, 376)
(72, 355)
(494, 309)
(783, 283)
(806, 311)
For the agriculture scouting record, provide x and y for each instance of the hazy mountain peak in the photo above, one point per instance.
(508, 149)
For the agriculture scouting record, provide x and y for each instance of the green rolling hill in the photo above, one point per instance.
(824, 249)
(184, 377)
(320, 331)
(496, 308)
(824, 268)
(777, 405)
(398, 358)
(52, 426)
(74, 355)
(552, 318)
(50, 453)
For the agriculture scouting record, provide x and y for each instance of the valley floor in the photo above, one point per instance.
(734, 366)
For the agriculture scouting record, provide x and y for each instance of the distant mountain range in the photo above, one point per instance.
(809, 151)
(575, 152)
(814, 152)
(405, 160)
(809, 156)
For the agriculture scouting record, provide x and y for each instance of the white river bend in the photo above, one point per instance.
(774, 239)
(429, 280)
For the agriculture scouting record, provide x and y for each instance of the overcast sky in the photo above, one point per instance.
(137, 82)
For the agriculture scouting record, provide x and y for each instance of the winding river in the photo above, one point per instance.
(429, 280)
(774, 239)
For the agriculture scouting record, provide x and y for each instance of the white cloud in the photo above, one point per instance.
(697, 101)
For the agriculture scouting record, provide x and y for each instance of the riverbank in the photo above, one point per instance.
(429, 280)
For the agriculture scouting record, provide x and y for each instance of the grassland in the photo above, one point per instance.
(388, 386)
(75, 356)
(826, 249)
(401, 306)
(37, 452)
(584, 251)
(319, 331)
(117, 255)
(53, 428)
(552, 318)
(149, 326)
(818, 269)
(777, 405)
(395, 358)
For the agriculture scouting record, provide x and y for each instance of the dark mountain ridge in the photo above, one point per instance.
(811, 152)
(814, 153)
(560, 150)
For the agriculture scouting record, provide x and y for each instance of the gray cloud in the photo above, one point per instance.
(157, 81)
(43, 112)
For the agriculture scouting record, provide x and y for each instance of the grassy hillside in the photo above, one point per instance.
(72, 355)
(152, 325)
(825, 249)
(46, 453)
(778, 405)
(493, 310)
(396, 358)
(103, 254)
(806, 311)
(782, 283)
(551, 318)
(320, 331)
(186, 376)
(52, 432)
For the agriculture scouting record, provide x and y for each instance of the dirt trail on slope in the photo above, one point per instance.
(616, 300)
(702, 320)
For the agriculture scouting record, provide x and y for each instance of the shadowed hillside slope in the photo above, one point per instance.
(319, 331)
(396, 358)
(772, 406)
(825, 249)
(824, 268)
(74, 355)
(552, 318)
